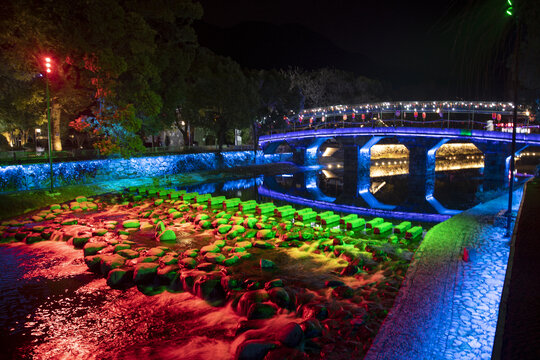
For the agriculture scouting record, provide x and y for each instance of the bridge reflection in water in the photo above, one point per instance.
(360, 161)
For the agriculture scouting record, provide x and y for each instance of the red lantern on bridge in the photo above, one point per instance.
(353, 115)
(311, 120)
(416, 114)
(424, 115)
(493, 116)
(363, 116)
(499, 117)
(344, 117)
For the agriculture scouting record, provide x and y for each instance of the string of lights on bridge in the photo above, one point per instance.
(497, 109)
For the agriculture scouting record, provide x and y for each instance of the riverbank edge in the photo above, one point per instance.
(21, 202)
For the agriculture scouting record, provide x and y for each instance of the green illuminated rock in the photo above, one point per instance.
(230, 261)
(356, 224)
(243, 244)
(348, 218)
(265, 234)
(131, 224)
(214, 258)
(155, 252)
(191, 253)
(371, 224)
(267, 264)
(169, 260)
(167, 236)
(93, 262)
(382, 228)
(188, 262)
(92, 248)
(262, 245)
(402, 227)
(128, 253)
(71, 221)
(99, 232)
(210, 248)
(33, 238)
(223, 229)
(414, 232)
(80, 241)
(119, 247)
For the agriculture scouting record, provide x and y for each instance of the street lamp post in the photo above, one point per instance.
(48, 70)
(510, 12)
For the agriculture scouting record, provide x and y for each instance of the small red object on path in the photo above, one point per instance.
(465, 255)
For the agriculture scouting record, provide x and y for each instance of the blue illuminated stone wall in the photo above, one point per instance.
(36, 176)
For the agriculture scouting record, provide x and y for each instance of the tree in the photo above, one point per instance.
(108, 53)
(21, 104)
(278, 100)
(529, 77)
(221, 96)
(324, 87)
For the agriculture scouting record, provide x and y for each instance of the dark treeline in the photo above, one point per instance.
(126, 70)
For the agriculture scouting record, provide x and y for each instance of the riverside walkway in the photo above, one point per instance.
(448, 308)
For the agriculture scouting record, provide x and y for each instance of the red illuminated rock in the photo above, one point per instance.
(166, 274)
(261, 311)
(109, 262)
(145, 273)
(208, 287)
(254, 349)
(120, 278)
(290, 335)
(188, 262)
(250, 298)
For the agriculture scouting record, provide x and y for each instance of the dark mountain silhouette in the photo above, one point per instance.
(267, 46)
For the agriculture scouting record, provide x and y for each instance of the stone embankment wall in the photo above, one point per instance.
(36, 176)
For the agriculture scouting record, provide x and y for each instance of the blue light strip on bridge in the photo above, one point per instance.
(349, 209)
(530, 139)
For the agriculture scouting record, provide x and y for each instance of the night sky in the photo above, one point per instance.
(411, 46)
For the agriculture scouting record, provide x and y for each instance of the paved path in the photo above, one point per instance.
(447, 308)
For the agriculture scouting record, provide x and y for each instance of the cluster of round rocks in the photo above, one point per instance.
(334, 317)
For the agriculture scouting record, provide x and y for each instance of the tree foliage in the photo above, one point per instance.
(323, 87)
(222, 97)
(120, 54)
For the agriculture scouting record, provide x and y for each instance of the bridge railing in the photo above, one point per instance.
(440, 123)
